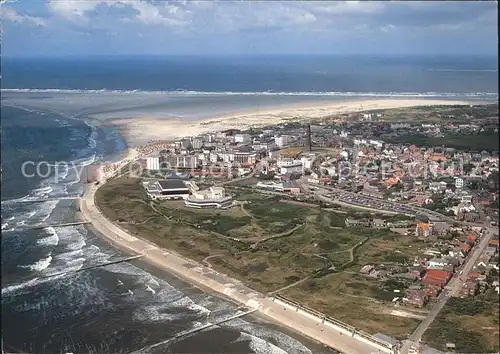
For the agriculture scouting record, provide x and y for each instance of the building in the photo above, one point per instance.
(423, 229)
(437, 262)
(243, 138)
(282, 140)
(197, 143)
(153, 163)
(416, 298)
(214, 197)
(166, 189)
(286, 161)
(469, 288)
(273, 186)
(307, 161)
(459, 182)
(290, 169)
(248, 158)
(309, 138)
(181, 161)
(436, 277)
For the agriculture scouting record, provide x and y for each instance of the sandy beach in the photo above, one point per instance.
(140, 130)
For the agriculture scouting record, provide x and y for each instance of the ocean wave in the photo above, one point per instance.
(51, 240)
(260, 337)
(26, 286)
(262, 93)
(39, 265)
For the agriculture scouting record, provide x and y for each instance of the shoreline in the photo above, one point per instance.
(137, 131)
(220, 284)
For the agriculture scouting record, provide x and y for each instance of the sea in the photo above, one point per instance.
(53, 123)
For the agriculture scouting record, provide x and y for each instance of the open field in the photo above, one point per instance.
(472, 324)
(440, 114)
(338, 295)
(269, 245)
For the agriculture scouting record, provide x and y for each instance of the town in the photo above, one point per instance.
(394, 212)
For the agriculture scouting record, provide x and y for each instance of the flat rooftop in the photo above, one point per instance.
(172, 184)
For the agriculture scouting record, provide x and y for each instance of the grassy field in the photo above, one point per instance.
(487, 140)
(329, 295)
(472, 324)
(279, 245)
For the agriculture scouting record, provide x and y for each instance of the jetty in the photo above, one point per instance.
(201, 328)
(42, 200)
(122, 260)
(40, 227)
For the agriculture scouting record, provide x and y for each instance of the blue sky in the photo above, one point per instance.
(110, 27)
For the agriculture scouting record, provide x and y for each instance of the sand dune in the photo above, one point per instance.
(140, 130)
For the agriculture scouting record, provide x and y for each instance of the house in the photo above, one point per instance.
(471, 238)
(436, 277)
(437, 262)
(469, 288)
(378, 223)
(423, 229)
(291, 187)
(416, 298)
(440, 228)
(432, 291)
(417, 271)
(465, 247)
(493, 244)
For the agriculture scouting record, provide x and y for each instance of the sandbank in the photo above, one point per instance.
(140, 130)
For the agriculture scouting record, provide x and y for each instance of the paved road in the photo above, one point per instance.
(454, 286)
(356, 200)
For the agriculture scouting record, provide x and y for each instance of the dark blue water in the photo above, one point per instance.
(359, 74)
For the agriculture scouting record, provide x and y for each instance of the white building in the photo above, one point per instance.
(307, 162)
(459, 182)
(437, 262)
(295, 168)
(243, 138)
(214, 197)
(197, 143)
(213, 157)
(282, 140)
(287, 161)
(153, 163)
(182, 161)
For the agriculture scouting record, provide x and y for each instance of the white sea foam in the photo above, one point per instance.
(39, 265)
(25, 286)
(51, 240)
(282, 340)
(261, 346)
(261, 93)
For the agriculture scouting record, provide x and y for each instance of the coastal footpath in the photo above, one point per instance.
(295, 318)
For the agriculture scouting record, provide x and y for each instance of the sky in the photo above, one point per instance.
(132, 27)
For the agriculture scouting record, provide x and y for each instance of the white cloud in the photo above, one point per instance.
(345, 7)
(387, 28)
(72, 8)
(11, 14)
(230, 16)
(148, 13)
